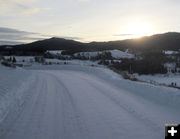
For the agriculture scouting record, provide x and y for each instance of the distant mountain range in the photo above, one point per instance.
(167, 41)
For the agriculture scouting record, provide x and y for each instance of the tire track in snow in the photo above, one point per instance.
(16, 110)
(26, 123)
(111, 94)
(102, 115)
(71, 115)
(73, 104)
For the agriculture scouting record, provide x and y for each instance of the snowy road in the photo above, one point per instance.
(69, 104)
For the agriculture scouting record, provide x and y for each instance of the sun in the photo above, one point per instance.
(137, 30)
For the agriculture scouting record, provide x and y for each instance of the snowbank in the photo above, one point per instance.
(166, 79)
(13, 85)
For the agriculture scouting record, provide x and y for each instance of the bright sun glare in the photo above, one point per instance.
(137, 30)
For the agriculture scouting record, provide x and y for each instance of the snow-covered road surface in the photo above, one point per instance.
(74, 104)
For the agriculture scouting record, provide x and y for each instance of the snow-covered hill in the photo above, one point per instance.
(115, 54)
(82, 102)
(120, 54)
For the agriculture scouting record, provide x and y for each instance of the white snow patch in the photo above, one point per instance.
(169, 52)
(121, 54)
(55, 52)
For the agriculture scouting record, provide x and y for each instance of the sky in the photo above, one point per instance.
(86, 20)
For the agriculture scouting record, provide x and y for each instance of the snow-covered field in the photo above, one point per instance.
(120, 54)
(82, 102)
(22, 58)
(115, 54)
(73, 62)
(55, 52)
(168, 52)
(166, 79)
(29, 60)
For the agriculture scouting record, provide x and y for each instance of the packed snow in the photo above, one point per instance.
(13, 86)
(82, 102)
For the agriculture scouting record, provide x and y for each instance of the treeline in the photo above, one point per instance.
(149, 63)
(143, 66)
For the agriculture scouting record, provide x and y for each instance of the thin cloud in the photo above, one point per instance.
(72, 38)
(19, 7)
(83, 0)
(31, 11)
(13, 36)
(10, 36)
(122, 35)
(9, 42)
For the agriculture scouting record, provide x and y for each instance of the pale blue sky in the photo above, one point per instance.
(91, 20)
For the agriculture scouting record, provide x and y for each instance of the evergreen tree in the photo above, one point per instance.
(14, 60)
